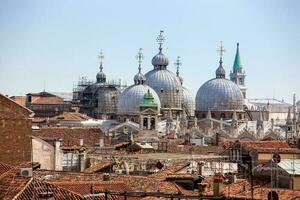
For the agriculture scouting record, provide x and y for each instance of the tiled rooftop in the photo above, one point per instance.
(71, 136)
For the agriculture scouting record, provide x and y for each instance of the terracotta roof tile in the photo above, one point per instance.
(88, 187)
(71, 116)
(173, 168)
(71, 136)
(4, 168)
(101, 165)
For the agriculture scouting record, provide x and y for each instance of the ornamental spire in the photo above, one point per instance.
(237, 61)
(101, 58)
(160, 40)
(178, 64)
(220, 72)
(221, 51)
(140, 58)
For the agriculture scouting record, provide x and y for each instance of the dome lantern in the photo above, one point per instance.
(160, 61)
(101, 77)
(139, 78)
(220, 72)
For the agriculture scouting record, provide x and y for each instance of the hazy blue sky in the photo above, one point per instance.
(56, 41)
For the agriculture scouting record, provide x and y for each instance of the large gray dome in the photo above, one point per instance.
(188, 101)
(132, 97)
(167, 86)
(219, 94)
(107, 98)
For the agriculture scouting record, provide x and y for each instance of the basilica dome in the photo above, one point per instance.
(167, 86)
(164, 82)
(188, 101)
(132, 97)
(219, 94)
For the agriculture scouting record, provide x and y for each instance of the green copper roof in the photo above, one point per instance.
(237, 60)
(149, 99)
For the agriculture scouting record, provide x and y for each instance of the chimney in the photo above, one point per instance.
(101, 142)
(81, 142)
(106, 177)
(200, 165)
(217, 185)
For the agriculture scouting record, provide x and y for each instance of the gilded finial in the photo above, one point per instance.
(160, 39)
(101, 58)
(140, 58)
(177, 64)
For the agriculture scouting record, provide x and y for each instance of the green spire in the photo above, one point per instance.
(237, 61)
(149, 99)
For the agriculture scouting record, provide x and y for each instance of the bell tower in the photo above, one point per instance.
(238, 74)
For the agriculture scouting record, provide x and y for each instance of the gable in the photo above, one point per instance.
(149, 111)
(11, 109)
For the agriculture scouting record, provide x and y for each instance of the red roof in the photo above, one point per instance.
(88, 187)
(71, 136)
(4, 168)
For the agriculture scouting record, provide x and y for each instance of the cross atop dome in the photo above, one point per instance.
(101, 58)
(178, 64)
(220, 72)
(160, 39)
(140, 58)
(221, 50)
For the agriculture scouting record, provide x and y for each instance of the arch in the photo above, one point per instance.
(145, 122)
(152, 124)
(223, 115)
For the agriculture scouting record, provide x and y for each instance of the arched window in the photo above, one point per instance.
(223, 116)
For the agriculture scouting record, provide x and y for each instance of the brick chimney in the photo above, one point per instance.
(218, 185)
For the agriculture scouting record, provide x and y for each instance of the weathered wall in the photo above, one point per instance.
(43, 152)
(15, 132)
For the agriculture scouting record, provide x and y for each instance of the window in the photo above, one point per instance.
(223, 116)
(70, 160)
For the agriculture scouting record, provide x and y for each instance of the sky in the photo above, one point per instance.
(49, 44)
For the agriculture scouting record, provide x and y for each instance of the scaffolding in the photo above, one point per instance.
(97, 99)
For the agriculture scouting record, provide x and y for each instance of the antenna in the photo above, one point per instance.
(44, 86)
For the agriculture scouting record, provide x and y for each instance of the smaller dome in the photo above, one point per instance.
(139, 78)
(189, 101)
(160, 60)
(220, 72)
(101, 77)
(132, 98)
